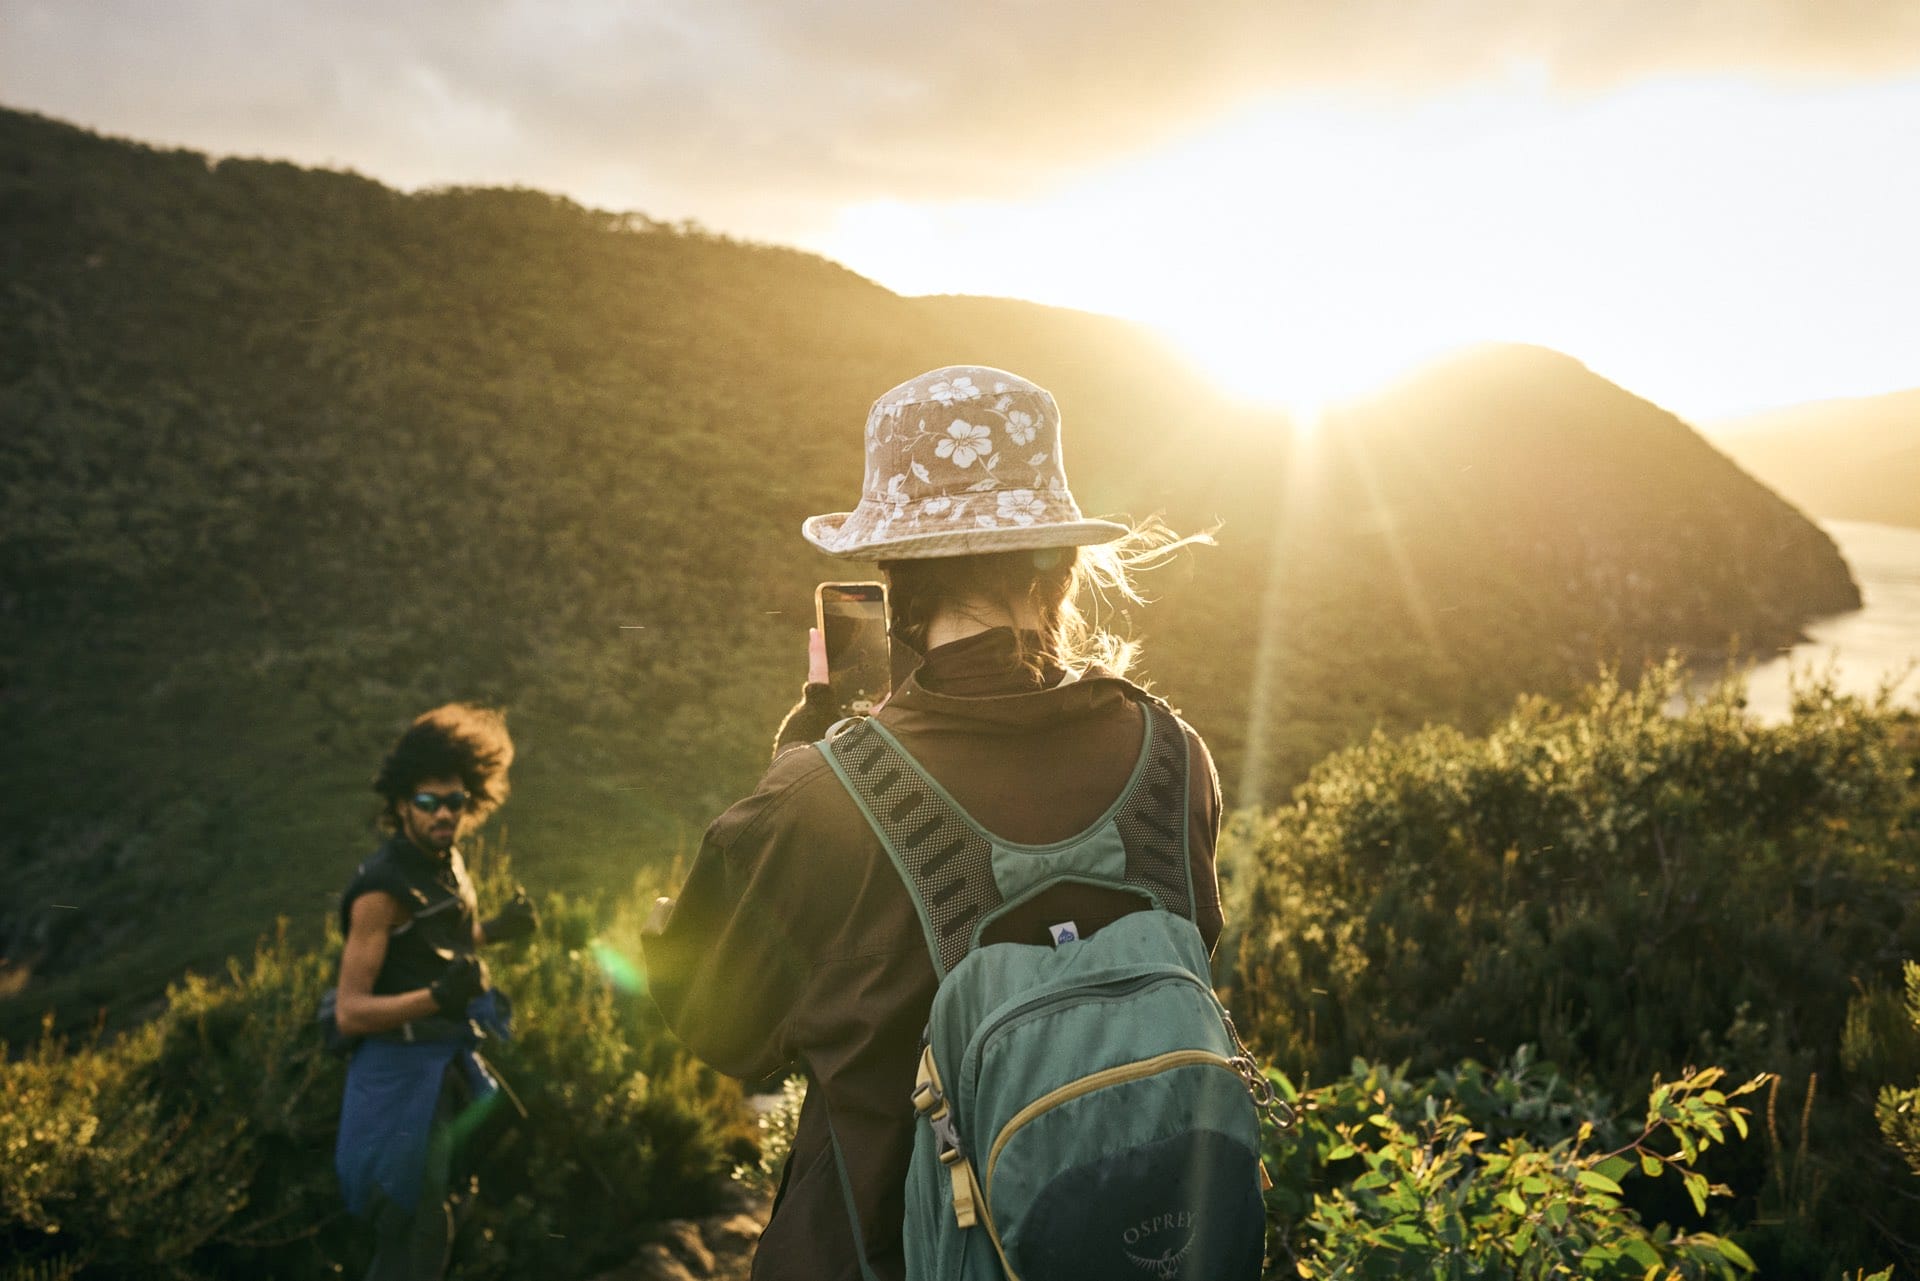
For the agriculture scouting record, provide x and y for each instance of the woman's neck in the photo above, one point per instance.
(969, 618)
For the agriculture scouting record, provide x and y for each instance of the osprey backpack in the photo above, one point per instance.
(1085, 1108)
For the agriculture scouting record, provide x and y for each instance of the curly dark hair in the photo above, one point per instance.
(460, 739)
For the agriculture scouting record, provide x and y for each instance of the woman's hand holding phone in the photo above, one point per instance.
(816, 711)
(858, 612)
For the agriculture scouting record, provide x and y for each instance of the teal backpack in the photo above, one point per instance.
(1086, 1109)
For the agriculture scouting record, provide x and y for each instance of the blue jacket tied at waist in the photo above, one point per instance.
(393, 1090)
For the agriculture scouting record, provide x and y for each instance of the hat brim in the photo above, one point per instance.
(827, 533)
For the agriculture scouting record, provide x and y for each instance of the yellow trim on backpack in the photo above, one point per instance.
(969, 1201)
(1095, 1081)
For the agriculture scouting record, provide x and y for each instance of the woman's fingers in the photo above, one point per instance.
(816, 657)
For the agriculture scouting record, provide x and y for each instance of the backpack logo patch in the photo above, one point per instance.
(1065, 932)
(1167, 1236)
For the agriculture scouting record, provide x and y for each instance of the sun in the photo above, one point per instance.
(1300, 335)
(1305, 374)
(1298, 285)
(1304, 249)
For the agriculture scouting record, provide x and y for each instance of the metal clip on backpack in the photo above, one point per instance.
(1087, 1106)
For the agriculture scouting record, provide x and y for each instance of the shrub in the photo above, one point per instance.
(778, 1124)
(1627, 885)
(1477, 1172)
(201, 1145)
(1897, 1109)
(205, 1133)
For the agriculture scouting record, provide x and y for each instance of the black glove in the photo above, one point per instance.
(465, 978)
(809, 720)
(517, 920)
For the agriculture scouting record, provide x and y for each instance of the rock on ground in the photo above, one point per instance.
(718, 1248)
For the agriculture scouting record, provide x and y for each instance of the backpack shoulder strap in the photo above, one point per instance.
(1153, 817)
(944, 860)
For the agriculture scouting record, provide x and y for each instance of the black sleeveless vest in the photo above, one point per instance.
(442, 904)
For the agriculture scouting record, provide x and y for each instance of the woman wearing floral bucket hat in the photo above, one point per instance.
(962, 461)
(795, 941)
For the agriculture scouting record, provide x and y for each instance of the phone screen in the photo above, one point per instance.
(853, 619)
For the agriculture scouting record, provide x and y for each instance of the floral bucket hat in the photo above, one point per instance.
(960, 460)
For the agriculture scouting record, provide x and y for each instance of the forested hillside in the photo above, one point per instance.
(1842, 459)
(289, 456)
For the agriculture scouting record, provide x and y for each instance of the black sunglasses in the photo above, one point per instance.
(430, 802)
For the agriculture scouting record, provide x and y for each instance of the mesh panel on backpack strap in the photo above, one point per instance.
(1153, 821)
(950, 863)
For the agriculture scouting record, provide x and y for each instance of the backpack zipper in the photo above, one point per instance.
(1119, 1075)
(1112, 990)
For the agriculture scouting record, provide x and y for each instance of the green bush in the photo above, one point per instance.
(1897, 1108)
(205, 1133)
(201, 1145)
(778, 1124)
(1627, 882)
(1477, 1172)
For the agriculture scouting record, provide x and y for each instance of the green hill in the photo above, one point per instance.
(290, 456)
(1856, 459)
(1509, 516)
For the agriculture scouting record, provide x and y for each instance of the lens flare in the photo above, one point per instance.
(621, 971)
(466, 1125)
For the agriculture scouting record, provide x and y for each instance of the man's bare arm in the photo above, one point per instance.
(357, 1010)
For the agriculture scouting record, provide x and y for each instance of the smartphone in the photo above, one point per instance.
(853, 619)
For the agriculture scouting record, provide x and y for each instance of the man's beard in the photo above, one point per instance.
(436, 840)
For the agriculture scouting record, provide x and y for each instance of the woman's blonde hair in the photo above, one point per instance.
(1074, 591)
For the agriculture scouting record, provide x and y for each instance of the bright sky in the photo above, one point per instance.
(1715, 245)
(1711, 202)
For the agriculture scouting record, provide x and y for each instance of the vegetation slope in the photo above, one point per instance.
(290, 456)
(1501, 977)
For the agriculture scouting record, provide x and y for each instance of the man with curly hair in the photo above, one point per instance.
(413, 990)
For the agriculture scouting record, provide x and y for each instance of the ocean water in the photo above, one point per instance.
(1874, 644)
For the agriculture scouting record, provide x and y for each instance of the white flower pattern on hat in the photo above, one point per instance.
(925, 464)
(1021, 506)
(896, 497)
(965, 442)
(947, 392)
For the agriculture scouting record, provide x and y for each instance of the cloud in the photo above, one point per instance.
(741, 111)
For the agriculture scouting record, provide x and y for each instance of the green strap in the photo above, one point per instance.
(846, 1194)
(946, 859)
(889, 796)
